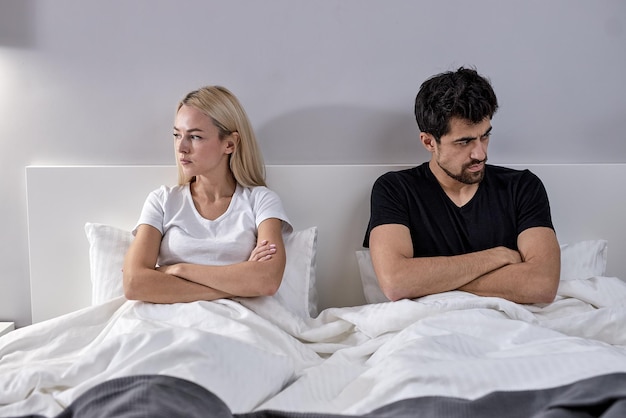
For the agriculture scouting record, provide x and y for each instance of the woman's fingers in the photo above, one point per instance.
(263, 251)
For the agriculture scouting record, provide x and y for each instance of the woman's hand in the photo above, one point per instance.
(171, 269)
(263, 251)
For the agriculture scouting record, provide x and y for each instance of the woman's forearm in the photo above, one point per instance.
(150, 285)
(247, 279)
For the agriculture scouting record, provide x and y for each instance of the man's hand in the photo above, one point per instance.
(534, 280)
(512, 256)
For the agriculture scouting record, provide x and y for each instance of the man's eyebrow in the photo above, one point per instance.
(465, 139)
(472, 138)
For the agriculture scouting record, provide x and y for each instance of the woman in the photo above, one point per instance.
(218, 234)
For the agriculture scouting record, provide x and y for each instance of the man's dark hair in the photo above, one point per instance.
(462, 93)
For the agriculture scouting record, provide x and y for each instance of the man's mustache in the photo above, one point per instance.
(474, 162)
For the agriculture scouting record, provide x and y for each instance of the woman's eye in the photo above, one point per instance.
(176, 135)
(195, 137)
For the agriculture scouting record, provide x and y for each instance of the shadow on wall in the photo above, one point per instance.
(341, 135)
(17, 23)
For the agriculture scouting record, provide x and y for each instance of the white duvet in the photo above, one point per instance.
(220, 345)
(255, 355)
(461, 345)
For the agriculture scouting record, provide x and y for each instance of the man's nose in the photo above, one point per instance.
(479, 151)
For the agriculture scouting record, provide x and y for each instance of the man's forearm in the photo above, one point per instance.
(535, 280)
(522, 283)
(420, 276)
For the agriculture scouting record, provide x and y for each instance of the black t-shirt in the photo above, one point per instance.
(506, 203)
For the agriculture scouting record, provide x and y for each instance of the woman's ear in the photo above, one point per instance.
(232, 142)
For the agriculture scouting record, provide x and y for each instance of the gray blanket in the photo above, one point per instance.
(158, 396)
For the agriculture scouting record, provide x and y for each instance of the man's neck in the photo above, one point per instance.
(458, 192)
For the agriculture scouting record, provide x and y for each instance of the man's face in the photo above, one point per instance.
(462, 152)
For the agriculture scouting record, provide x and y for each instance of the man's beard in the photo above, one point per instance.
(465, 176)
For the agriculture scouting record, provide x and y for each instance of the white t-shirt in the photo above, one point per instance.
(190, 238)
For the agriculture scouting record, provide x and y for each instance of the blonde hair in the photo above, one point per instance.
(227, 114)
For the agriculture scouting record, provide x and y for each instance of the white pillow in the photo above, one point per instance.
(297, 292)
(580, 260)
(583, 259)
(107, 248)
(371, 288)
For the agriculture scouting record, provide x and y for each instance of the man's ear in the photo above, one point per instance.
(428, 141)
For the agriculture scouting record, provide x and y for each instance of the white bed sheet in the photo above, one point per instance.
(223, 346)
(460, 345)
(255, 355)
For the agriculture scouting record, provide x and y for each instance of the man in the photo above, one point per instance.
(454, 222)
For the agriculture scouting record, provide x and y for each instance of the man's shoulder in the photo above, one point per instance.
(503, 170)
(508, 173)
(405, 175)
(514, 179)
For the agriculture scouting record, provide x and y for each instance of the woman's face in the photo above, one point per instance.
(199, 149)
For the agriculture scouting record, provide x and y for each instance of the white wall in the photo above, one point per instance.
(96, 82)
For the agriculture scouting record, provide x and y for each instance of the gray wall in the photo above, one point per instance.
(96, 82)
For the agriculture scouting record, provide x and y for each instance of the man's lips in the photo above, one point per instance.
(476, 167)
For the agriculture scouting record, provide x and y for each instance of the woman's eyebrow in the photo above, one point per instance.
(190, 130)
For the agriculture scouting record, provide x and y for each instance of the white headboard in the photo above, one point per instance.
(588, 202)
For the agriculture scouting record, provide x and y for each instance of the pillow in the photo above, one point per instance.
(583, 259)
(371, 288)
(107, 248)
(580, 260)
(297, 292)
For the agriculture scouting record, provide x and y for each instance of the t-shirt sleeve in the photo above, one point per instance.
(267, 204)
(153, 211)
(387, 205)
(533, 204)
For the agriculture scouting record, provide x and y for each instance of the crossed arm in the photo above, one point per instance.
(260, 275)
(528, 276)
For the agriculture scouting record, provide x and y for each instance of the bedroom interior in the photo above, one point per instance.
(88, 96)
(75, 94)
(327, 341)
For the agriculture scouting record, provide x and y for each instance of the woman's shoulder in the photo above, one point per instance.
(257, 192)
(165, 192)
(260, 196)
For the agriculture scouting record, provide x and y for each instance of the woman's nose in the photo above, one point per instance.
(183, 145)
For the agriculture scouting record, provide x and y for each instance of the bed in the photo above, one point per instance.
(328, 342)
